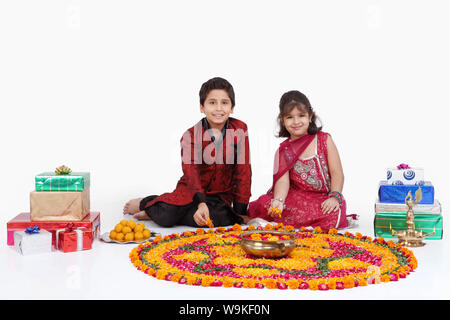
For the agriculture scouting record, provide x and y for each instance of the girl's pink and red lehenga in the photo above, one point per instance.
(309, 187)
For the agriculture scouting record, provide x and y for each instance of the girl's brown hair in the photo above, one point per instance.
(296, 99)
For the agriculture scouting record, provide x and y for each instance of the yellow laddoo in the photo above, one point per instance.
(120, 236)
(124, 222)
(138, 236)
(131, 224)
(146, 233)
(112, 234)
(139, 228)
(126, 230)
(118, 228)
(129, 236)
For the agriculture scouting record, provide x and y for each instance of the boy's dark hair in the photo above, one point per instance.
(216, 83)
(296, 99)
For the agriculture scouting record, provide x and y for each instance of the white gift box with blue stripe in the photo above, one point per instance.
(410, 176)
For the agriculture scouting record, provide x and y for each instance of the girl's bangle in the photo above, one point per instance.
(337, 195)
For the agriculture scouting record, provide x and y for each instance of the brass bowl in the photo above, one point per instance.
(265, 248)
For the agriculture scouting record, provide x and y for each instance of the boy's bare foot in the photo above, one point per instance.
(132, 206)
(141, 215)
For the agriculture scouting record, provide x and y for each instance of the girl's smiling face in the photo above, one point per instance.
(297, 122)
(217, 108)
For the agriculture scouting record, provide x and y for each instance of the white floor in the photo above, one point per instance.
(105, 272)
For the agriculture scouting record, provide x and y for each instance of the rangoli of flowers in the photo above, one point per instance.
(320, 261)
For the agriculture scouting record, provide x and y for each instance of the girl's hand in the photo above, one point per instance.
(276, 204)
(201, 216)
(330, 205)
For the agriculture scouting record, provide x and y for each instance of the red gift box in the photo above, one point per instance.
(23, 221)
(73, 239)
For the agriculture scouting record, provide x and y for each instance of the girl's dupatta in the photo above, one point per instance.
(287, 154)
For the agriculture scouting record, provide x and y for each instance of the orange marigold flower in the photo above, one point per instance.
(251, 227)
(313, 284)
(349, 282)
(289, 228)
(268, 227)
(269, 283)
(199, 231)
(207, 280)
(318, 229)
(385, 278)
(158, 238)
(220, 229)
(151, 271)
(362, 282)
(358, 235)
(237, 227)
(292, 284)
(333, 231)
(331, 284)
(227, 283)
(249, 283)
(188, 233)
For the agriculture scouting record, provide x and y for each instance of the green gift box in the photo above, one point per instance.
(427, 222)
(50, 181)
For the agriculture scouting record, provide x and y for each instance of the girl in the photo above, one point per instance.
(308, 177)
(215, 187)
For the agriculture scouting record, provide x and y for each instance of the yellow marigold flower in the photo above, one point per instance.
(161, 274)
(143, 268)
(158, 238)
(220, 229)
(137, 263)
(318, 229)
(151, 271)
(251, 227)
(358, 235)
(199, 231)
(188, 233)
(191, 279)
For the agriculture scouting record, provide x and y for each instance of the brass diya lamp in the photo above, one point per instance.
(268, 248)
(411, 237)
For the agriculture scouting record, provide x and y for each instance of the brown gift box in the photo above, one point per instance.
(59, 206)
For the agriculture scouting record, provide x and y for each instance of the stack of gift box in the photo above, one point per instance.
(59, 216)
(390, 207)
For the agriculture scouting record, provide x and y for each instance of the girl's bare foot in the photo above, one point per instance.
(132, 206)
(141, 215)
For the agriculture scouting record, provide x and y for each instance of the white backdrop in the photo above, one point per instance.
(110, 86)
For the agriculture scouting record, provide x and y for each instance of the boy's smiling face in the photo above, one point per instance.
(217, 108)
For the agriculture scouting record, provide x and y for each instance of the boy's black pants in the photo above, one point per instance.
(169, 215)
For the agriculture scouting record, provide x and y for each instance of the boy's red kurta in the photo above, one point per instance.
(213, 168)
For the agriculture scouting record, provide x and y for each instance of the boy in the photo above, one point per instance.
(216, 177)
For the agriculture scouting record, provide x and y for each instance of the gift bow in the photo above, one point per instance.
(70, 226)
(63, 170)
(31, 230)
(403, 166)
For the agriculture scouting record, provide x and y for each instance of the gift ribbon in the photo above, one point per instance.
(32, 230)
(71, 227)
(402, 166)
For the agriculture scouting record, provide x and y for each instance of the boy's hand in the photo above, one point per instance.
(201, 216)
(330, 205)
